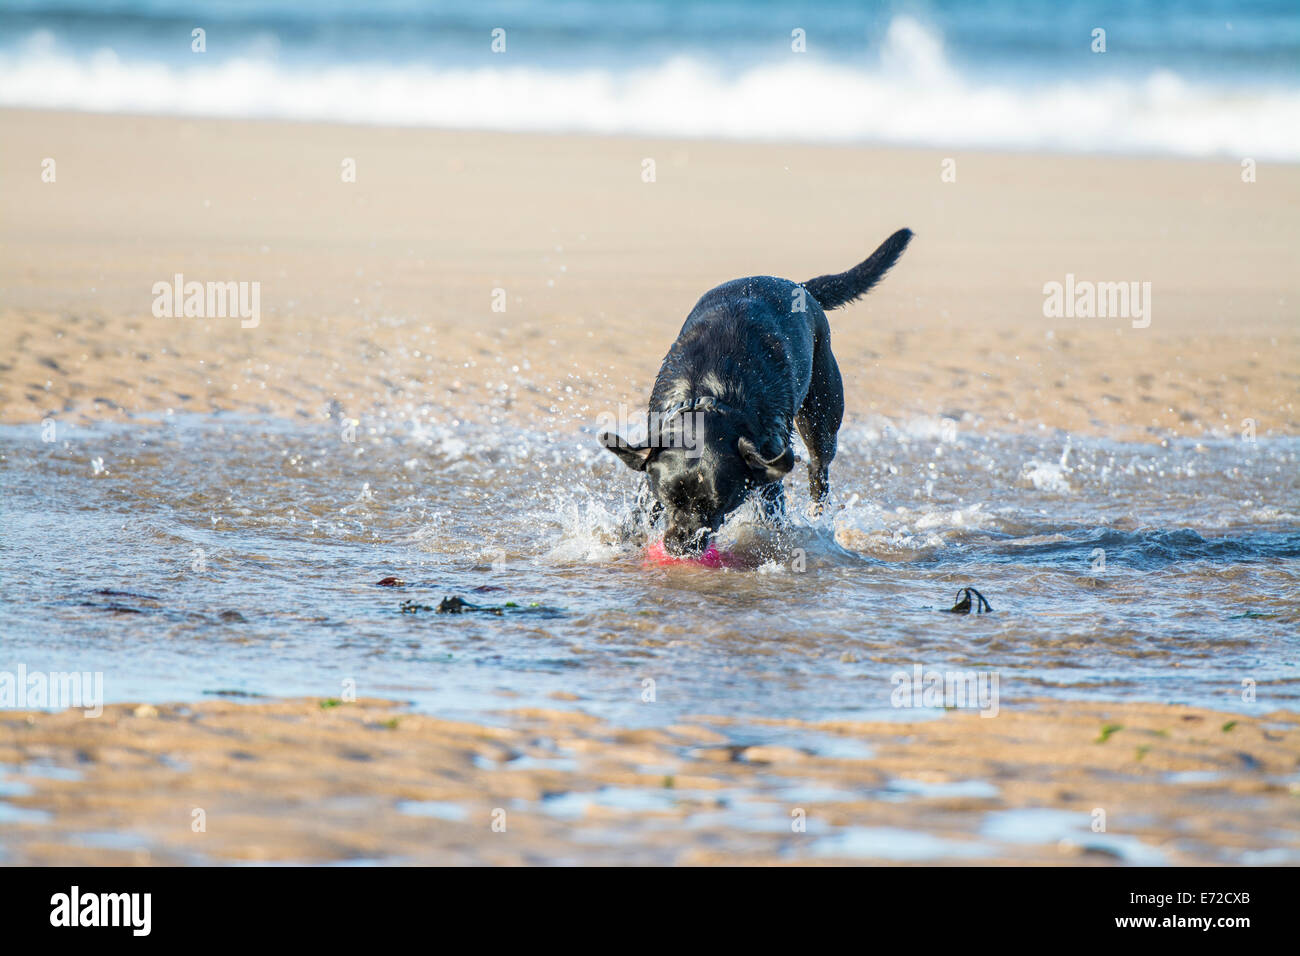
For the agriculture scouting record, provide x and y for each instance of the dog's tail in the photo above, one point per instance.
(831, 292)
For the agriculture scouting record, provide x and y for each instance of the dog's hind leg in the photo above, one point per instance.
(819, 418)
(821, 444)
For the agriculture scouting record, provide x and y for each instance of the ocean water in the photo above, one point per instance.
(235, 556)
(1200, 78)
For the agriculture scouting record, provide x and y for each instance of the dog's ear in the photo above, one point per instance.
(635, 457)
(772, 469)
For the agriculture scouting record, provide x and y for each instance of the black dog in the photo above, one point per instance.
(753, 359)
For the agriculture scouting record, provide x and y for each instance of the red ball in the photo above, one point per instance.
(656, 554)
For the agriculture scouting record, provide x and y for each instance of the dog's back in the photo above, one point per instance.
(751, 342)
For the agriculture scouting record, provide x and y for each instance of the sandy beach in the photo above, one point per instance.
(378, 294)
(377, 305)
(312, 781)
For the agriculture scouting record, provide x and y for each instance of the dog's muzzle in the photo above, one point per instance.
(687, 543)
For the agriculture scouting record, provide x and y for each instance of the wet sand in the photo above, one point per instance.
(315, 781)
(378, 294)
(376, 304)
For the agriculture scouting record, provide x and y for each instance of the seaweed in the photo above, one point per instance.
(457, 605)
(963, 605)
(1107, 731)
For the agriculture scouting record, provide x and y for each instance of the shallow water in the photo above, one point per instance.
(205, 556)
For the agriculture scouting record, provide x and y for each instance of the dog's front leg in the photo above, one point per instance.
(818, 485)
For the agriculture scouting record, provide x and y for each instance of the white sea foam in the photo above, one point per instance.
(1045, 476)
(910, 94)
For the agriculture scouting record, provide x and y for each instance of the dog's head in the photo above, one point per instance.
(700, 477)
